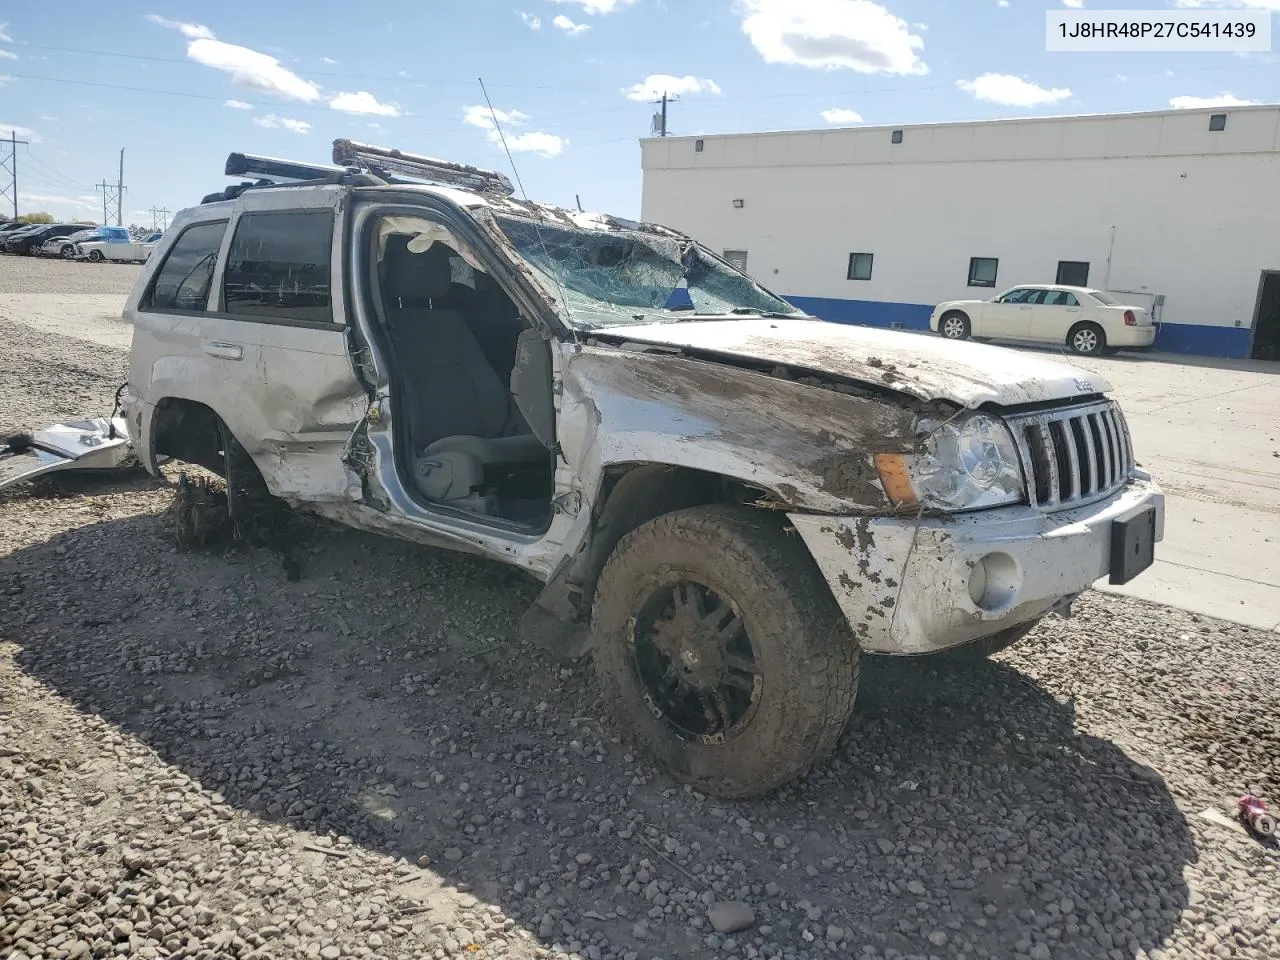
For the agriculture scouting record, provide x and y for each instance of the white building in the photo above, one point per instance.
(1176, 210)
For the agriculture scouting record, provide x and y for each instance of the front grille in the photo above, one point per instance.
(1073, 456)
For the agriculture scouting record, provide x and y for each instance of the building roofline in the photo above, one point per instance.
(990, 122)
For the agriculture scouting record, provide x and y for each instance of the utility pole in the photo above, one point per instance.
(120, 192)
(11, 167)
(662, 118)
(159, 216)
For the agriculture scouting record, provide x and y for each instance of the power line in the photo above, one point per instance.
(161, 217)
(57, 174)
(389, 78)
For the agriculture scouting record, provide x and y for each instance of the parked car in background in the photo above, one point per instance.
(65, 246)
(114, 247)
(1088, 321)
(10, 227)
(29, 241)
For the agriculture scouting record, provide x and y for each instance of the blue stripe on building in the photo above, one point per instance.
(1187, 338)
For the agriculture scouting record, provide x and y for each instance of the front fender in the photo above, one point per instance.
(811, 448)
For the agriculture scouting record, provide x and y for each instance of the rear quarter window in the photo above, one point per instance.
(183, 280)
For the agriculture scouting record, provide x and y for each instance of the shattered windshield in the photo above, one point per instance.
(619, 277)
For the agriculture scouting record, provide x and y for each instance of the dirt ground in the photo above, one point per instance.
(200, 758)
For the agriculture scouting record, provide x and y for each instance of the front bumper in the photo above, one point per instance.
(904, 584)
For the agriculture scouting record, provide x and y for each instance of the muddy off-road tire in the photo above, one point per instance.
(975, 651)
(721, 650)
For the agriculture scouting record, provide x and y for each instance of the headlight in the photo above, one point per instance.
(964, 464)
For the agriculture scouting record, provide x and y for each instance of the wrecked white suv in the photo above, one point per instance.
(728, 500)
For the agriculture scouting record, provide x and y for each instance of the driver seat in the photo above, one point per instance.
(461, 416)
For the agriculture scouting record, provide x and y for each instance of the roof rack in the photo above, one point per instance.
(358, 164)
(269, 168)
(392, 165)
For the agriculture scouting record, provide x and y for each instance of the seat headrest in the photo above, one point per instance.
(416, 276)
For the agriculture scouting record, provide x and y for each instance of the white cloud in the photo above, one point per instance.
(363, 102)
(1002, 3)
(8, 130)
(271, 122)
(237, 105)
(533, 141)
(655, 85)
(8, 55)
(1012, 91)
(480, 116)
(568, 26)
(543, 144)
(530, 20)
(249, 68)
(193, 31)
(246, 67)
(832, 35)
(4, 33)
(84, 201)
(1221, 100)
(841, 115)
(1073, 4)
(330, 61)
(596, 7)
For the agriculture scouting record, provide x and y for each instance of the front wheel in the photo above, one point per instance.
(1087, 339)
(954, 326)
(95, 256)
(721, 650)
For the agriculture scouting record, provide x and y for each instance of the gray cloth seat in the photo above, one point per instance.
(461, 416)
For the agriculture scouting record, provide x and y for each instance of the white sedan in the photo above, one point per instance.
(99, 250)
(1088, 321)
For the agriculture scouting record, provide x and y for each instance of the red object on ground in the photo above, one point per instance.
(1256, 816)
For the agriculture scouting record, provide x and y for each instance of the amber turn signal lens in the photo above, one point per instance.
(892, 468)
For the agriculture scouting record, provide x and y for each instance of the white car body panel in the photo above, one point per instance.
(129, 252)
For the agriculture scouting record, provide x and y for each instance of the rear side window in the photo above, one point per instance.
(183, 282)
(278, 267)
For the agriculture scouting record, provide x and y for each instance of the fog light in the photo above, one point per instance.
(994, 582)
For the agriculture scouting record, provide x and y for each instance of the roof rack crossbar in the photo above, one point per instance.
(388, 163)
(271, 168)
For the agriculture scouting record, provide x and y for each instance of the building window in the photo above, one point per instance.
(738, 258)
(860, 266)
(278, 267)
(1217, 122)
(896, 136)
(982, 271)
(1073, 273)
(184, 280)
(697, 146)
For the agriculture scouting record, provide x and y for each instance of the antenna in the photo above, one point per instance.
(523, 193)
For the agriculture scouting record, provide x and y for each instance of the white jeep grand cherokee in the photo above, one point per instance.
(728, 501)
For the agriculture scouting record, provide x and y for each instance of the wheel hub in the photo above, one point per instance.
(695, 662)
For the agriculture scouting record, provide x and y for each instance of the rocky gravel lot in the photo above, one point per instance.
(199, 758)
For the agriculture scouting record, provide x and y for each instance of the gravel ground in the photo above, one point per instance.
(199, 758)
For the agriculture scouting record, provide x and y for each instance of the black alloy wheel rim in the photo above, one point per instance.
(697, 669)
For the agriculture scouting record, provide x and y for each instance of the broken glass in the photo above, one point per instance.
(609, 277)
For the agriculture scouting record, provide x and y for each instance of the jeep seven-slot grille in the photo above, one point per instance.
(1073, 456)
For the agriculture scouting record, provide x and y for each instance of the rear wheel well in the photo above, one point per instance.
(188, 431)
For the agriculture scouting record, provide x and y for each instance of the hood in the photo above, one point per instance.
(923, 366)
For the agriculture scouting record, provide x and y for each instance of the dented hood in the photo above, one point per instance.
(928, 367)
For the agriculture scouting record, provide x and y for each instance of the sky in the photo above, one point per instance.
(179, 85)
